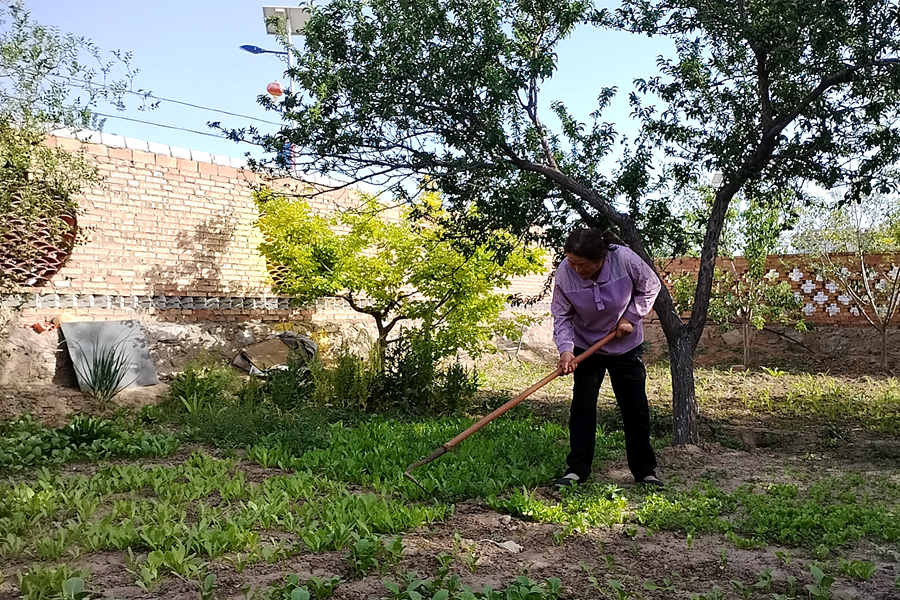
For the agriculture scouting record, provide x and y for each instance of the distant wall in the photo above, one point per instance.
(823, 302)
(168, 240)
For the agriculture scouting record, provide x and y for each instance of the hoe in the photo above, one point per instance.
(452, 444)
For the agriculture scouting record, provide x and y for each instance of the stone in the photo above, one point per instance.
(733, 337)
(511, 546)
(244, 337)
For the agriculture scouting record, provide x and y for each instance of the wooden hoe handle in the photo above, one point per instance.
(451, 445)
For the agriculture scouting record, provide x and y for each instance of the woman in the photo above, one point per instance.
(600, 287)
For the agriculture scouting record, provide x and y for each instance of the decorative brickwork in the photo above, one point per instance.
(823, 302)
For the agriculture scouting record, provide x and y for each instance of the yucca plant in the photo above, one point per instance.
(103, 377)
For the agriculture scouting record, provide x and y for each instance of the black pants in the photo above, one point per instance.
(628, 377)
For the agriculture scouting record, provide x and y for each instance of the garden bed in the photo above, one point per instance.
(766, 503)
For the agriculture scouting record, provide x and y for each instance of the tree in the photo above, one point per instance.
(45, 83)
(392, 271)
(751, 298)
(766, 93)
(857, 246)
(50, 79)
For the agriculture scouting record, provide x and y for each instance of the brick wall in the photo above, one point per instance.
(169, 235)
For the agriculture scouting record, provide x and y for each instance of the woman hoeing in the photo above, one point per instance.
(600, 287)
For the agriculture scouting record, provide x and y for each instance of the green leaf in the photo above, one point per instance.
(300, 594)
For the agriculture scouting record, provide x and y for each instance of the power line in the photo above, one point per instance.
(172, 100)
(163, 125)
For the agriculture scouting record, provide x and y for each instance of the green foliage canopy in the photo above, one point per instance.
(50, 79)
(770, 94)
(393, 270)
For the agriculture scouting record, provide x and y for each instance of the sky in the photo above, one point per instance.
(188, 51)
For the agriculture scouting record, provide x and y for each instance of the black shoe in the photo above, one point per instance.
(567, 480)
(651, 480)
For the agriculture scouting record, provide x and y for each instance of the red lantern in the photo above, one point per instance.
(275, 89)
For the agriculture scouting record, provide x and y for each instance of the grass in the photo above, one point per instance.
(273, 482)
(782, 398)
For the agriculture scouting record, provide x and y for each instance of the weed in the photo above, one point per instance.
(785, 556)
(764, 579)
(745, 591)
(240, 561)
(287, 389)
(207, 587)
(83, 430)
(26, 443)
(289, 590)
(40, 583)
(203, 383)
(149, 573)
(821, 518)
(774, 372)
(666, 586)
(369, 553)
(416, 588)
(715, 593)
(323, 588)
(467, 553)
(416, 380)
(618, 590)
(791, 583)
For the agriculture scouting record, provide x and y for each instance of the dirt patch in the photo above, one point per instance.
(54, 405)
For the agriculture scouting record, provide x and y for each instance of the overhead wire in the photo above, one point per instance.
(163, 125)
(150, 95)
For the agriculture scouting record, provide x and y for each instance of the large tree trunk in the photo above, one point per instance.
(682, 340)
(685, 409)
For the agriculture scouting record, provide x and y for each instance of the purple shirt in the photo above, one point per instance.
(584, 310)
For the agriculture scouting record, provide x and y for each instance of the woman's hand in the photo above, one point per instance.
(566, 363)
(624, 327)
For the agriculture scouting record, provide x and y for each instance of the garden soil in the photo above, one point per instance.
(474, 535)
(583, 561)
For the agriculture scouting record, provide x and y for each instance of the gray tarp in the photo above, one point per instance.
(84, 339)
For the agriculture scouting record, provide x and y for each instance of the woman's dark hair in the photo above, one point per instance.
(591, 244)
